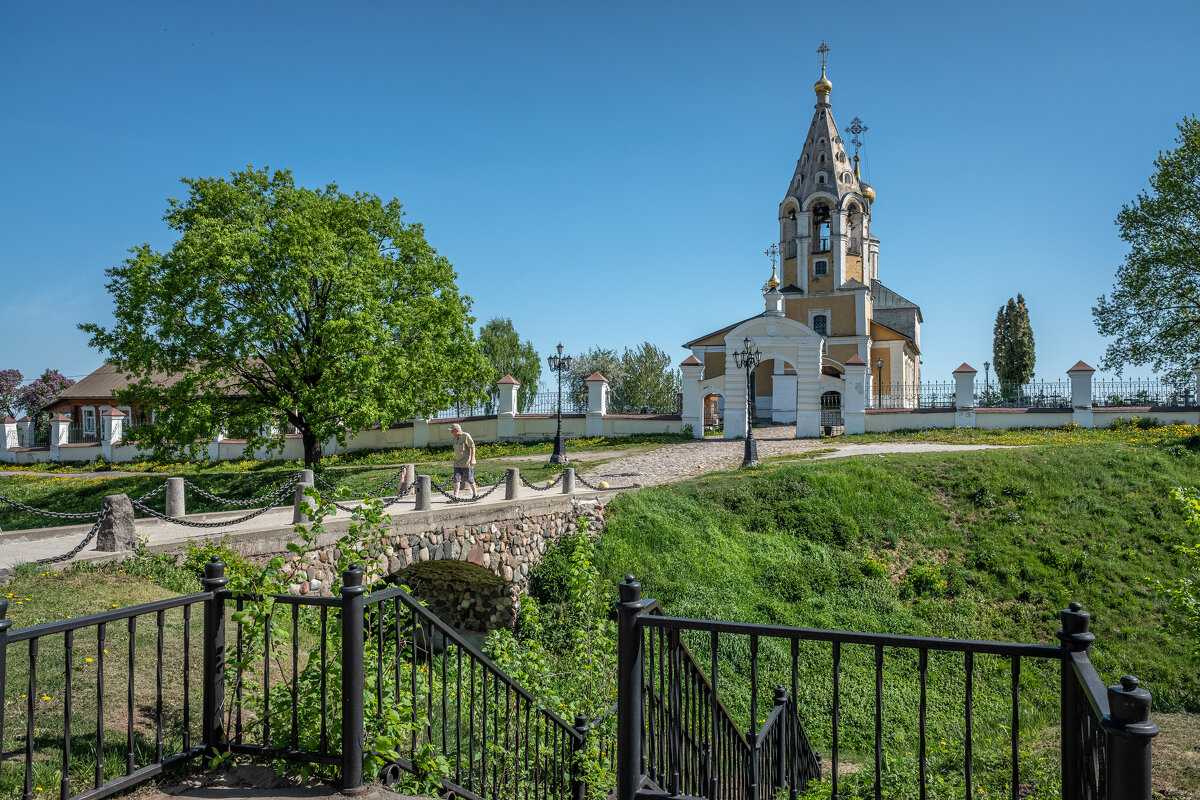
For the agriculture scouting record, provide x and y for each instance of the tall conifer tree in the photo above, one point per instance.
(1012, 343)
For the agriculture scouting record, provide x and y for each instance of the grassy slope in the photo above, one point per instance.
(1015, 534)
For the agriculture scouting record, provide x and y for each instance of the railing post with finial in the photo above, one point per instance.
(1074, 637)
(630, 691)
(213, 697)
(1130, 733)
(781, 738)
(5, 624)
(352, 680)
(578, 755)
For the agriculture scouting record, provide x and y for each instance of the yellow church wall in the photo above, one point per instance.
(714, 365)
(764, 381)
(884, 334)
(821, 283)
(842, 352)
(854, 268)
(876, 354)
(841, 309)
(789, 274)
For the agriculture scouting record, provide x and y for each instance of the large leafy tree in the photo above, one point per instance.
(281, 304)
(508, 355)
(10, 385)
(39, 393)
(1012, 343)
(649, 381)
(1153, 313)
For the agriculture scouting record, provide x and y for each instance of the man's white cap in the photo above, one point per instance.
(456, 427)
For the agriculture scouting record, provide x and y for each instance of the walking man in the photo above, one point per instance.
(464, 460)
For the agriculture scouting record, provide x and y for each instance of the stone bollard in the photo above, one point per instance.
(568, 481)
(512, 483)
(410, 471)
(306, 482)
(175, 499)
(117, 533)
(424, 489)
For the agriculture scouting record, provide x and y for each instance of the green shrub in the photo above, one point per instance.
(1134, 423)
(237, 568)
(924, 579)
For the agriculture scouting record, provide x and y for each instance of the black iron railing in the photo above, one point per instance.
(78, 434)
(1117, 393)
(1106, 734)
(927, 394)
(1035, 394)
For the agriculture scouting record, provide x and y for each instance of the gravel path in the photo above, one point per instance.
(677, 462)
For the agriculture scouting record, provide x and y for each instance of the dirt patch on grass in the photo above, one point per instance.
(1176, 752)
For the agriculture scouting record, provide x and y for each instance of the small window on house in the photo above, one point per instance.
(89, 420)
(821, 268)
(821, 323)
(821, 158)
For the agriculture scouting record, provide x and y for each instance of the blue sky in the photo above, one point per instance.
(605, 173)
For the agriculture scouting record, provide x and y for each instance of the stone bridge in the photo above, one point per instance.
(470, 564)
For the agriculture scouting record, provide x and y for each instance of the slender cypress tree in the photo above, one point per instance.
(1012, 344)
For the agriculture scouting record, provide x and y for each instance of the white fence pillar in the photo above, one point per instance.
(1081, 394)
(8, 433)
(854, 401)
(692, 370)
(597, 404)
(506, 417)
(58, 433)
(1196, 372)
(964, 396)
(420, 432)
(112, 429)
(25, 427)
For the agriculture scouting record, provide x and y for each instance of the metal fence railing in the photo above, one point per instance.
(78, 434)
(684, 739)
(1108, 393)
(35, 437)
(1036, 394)
(547, 403)
(929, 394)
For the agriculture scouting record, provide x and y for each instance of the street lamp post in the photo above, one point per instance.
(986, 381)
(560, 364)
(748, 360)
(879, 383)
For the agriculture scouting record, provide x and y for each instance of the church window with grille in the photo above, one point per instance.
(821, 324)
(821, 268)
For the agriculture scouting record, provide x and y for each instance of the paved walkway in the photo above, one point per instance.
(666, 464)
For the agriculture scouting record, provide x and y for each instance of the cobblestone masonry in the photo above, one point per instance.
(472, 575)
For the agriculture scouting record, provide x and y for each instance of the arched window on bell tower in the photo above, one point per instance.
(821, 228)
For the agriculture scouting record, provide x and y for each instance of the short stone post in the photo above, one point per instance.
(307, 481)
(568, 480)
(420, 432)
(597, 404)
(1081, 394)
(25, 427)
(506, 417)
(854, 401)
(214, 446)
(409, 477)
(117, 532)
(692, 371)
(112, 430)
(176, 504)
(1130, 733)
(8, 434)
(424, 489)
(512, 483)
(212, 725)
(964, 396)
(59, 424)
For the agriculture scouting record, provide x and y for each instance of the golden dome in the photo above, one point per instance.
(867, 192)
(773, 282)
(824, 85)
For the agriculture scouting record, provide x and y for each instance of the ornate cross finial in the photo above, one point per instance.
(773, 253)
(823, 49)
(856, 128)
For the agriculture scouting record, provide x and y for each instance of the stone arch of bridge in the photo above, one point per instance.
(467, 596)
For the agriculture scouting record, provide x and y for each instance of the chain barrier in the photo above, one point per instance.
(379, 490)
(391, 501)
(162, 487)
(272, 502)
(545, 488)
(44, 512)
(225, 500)
(77, 549)
(579, 478)
(441, 488)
